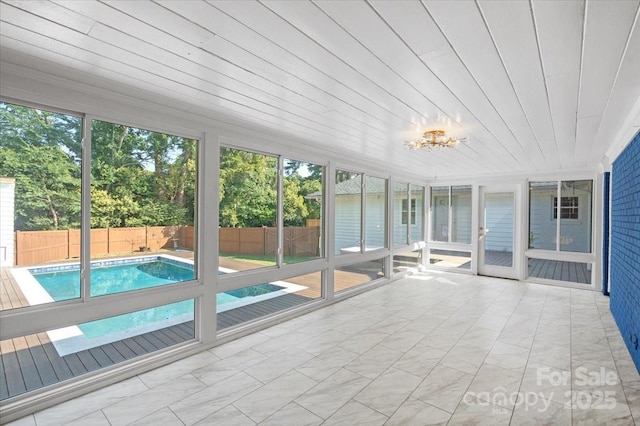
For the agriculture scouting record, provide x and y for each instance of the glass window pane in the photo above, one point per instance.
(348, 198)
(575, 214)
(143, 197)
(400, 213)
(54, 356)
(40, 181)
(498, 230)
(246, 304)
(416, 214)
(450, 259)
(440, 213)
(375, 213)
(574, 272)
(461, 214)
(248, 210)
(542, 224)
(302, 212)
(349, 276)
(407, 260)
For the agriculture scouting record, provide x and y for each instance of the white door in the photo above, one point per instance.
(497, 248)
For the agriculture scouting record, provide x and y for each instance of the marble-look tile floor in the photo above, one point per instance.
(433, 348)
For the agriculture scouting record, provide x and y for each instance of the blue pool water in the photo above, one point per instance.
(63, 283)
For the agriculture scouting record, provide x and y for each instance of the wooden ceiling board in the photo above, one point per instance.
(55, 13)
(329, 49)
(512, 29)
(624, 99)
(535, 85)
(164, 77)
(371, 32)
(415, 27)
(559, 28)
(259, 55)
(608, 27)
(472, 43)
(147, 82)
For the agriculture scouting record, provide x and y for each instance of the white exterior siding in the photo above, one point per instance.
(499, 223)
(375, 221)
(542, 225)
(461, 219)
(347, 222)
(7, 190)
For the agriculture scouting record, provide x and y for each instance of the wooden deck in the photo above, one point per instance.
(563, 271)
(32, 362)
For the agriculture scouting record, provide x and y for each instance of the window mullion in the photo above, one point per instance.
(558, 213)
(280, 213)
(85, 223)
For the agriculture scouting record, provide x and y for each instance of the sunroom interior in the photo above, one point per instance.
(128, 127)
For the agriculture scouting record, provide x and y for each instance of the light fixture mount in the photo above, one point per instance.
(434, 139)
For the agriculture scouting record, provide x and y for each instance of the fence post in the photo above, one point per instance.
(16, 249)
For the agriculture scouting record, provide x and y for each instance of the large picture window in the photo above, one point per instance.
(248, 210)
(40, 204)
(451, 214)
(572, 232)
(302, 211)
(143, 198)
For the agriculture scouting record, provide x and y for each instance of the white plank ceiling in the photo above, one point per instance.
(534, 85)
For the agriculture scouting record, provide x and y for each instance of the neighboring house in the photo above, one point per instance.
(348, 205)
(575, 216)
(460, 215)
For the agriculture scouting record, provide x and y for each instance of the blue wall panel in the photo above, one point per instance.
(624, 285)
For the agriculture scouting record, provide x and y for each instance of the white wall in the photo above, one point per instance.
(7, 190)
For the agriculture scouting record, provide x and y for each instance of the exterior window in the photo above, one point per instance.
(573, 232)
(568, 208)
(348, 221)
(417, 216)
(143, 190)
(375, 217)
(40, 208)
(400, 226)
(248, 209)
(405, 211)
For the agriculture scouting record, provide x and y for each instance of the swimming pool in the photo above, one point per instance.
(61, 282)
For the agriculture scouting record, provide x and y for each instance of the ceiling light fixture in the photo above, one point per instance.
(434, 139)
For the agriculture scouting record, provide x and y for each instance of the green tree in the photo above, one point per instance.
(248, 189)
(41, 151)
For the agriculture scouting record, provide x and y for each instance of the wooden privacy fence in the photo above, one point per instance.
(34, 247)
(298, 240)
